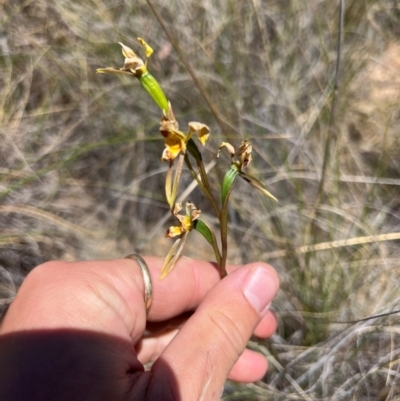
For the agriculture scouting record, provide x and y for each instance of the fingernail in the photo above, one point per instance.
(260, 287)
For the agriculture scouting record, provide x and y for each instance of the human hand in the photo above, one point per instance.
(68, 335)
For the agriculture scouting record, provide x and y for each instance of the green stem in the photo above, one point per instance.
(223, 221)
(227, 186)
(204, 179)
(194, 174)
(217, 253)
(168, 184)
(199, 181)
(224, 240)
(177, 177)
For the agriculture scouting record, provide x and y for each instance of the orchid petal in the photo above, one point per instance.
(244, 152)
(203, 132)
(174, 144)
(257, 184)
(149, 50)
(228, 147)
(127, 51)
(173, 231)
(112, 70)
(173, 256)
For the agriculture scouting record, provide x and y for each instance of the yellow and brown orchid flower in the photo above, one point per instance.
(186, 224)
(186, 221)
(175, 140)
(175, 145)
(135, 66)
(240, 159)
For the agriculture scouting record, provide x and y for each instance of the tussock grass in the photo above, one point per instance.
(79, 165)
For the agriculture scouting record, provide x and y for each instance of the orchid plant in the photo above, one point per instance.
(180, 149)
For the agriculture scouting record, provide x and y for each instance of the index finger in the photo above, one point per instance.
(183, 289)
(106, 296)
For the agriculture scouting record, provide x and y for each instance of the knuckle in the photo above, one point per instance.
(228, 330)
(45, 271)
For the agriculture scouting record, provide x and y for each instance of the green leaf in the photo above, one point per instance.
(254, 182)
(204, 230)
(194, 150)
(229, 181)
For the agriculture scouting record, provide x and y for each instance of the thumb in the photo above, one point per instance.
(204, 351)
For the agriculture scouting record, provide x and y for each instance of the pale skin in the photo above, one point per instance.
(79, 331)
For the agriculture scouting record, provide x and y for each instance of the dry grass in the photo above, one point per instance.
(80, 167)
